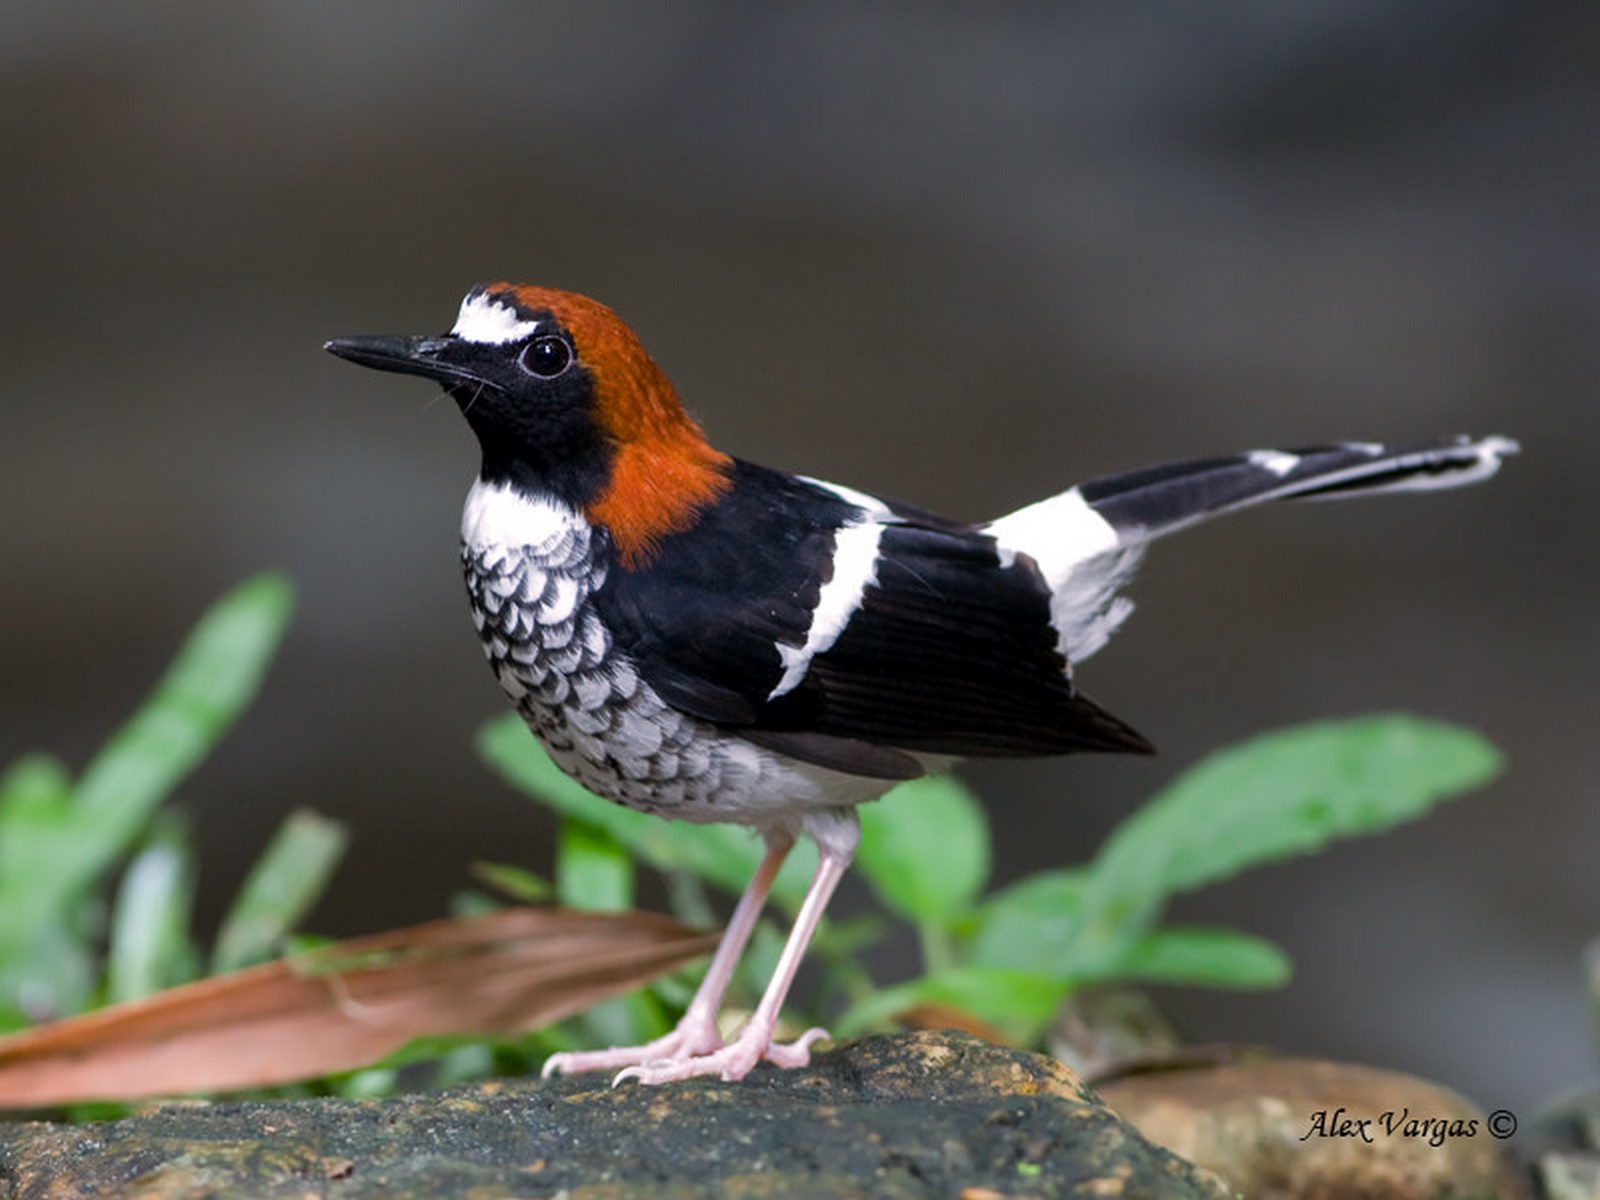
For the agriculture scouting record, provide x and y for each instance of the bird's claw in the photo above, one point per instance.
(690, 1039)
(731, 1062)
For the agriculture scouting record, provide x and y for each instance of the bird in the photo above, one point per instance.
(694, 635)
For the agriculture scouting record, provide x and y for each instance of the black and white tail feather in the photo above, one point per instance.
(1089, 539)
(878, 640)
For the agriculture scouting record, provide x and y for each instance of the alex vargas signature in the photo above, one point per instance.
(1338, 1123)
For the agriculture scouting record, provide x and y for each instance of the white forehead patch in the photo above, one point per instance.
(1278, 462)
(489, 321)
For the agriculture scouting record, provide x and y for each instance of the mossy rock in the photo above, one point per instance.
(925, 1114)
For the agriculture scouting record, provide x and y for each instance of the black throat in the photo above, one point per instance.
(540, 448)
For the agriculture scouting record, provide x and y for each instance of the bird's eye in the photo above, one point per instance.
(546, 356)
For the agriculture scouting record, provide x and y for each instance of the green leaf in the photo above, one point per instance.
(57, 844)
(462, 1065)
(1017, 1003)
(368, 1083)
(723, 855)
(758, 962)
(35, 787)
(630, 1020)
(1283, 794)
(850, 937)
(1204, 957)
(216, 674)
(592, 871)
(39, 841)
(1032, 925)
(57, 976)
(925, 848)
(286, 881)
(518, 883)
(150, 947)
(472, 903)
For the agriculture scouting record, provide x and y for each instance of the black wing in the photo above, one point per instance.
(950, 651)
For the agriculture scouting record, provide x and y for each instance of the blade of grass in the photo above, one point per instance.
(38, 840)
(150, 947)
(517, 883)
(35, 812)
(286, 881)
(216, 674)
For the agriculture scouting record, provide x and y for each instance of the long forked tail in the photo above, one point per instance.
(1088, 540)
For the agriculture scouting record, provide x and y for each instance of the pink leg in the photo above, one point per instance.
(697, 1033)
(754, 1043)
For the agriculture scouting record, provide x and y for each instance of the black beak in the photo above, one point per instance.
(423, 356)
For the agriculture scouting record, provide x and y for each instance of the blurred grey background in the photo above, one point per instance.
(960, 256)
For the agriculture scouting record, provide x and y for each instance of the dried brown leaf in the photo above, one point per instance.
(345, 1005)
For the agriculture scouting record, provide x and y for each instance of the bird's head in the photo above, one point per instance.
(565, 402)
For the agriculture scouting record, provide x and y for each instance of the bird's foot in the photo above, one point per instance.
(731, 1061)
(695, 1036)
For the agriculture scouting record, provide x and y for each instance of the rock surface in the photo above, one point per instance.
(1295, 1129)
(926, 1114)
